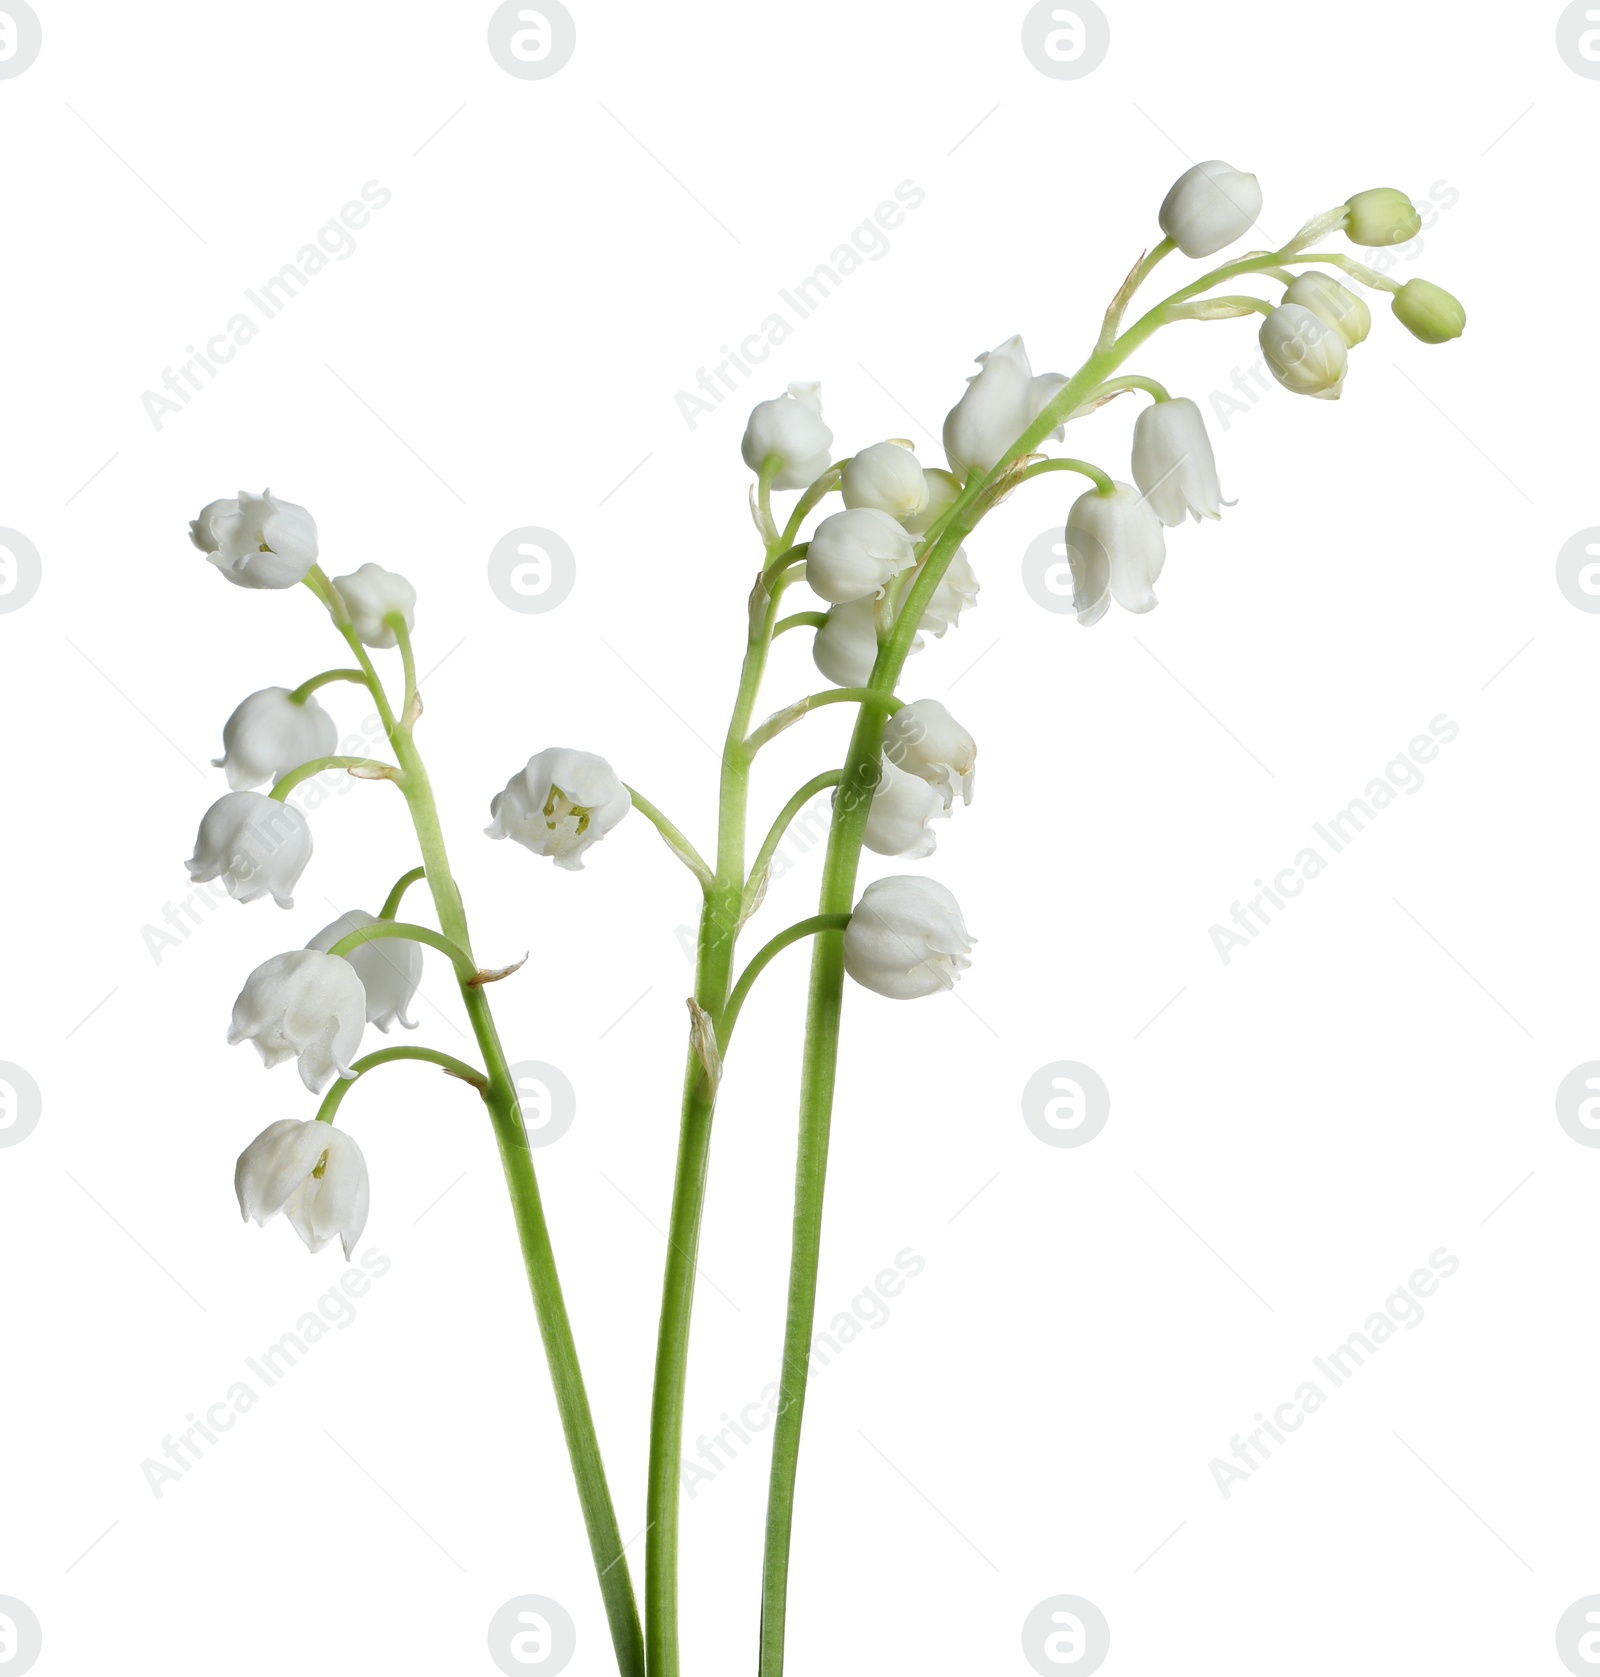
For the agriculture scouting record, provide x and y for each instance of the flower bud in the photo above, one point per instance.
(1173, 464)
(1210, 206)
(1429, 312)
(1305, 353)
(1116, 548)
(924, 739)
(1002, 400)
(562, 802)
(888, 477)
(1382, 216)
(854, 553)
(791, 428)
(903, 805)
(311, 1172)
(846, 646)
(372, 594)
(390, 968)
(257, 541)
(1332, 302)
(269, 734)
(306, 1005)
(254, 844)
(906, 938)
(944, 488)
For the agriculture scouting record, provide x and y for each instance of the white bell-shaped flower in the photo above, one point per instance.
(257, 541)
(269, 734)
(791, 428)
(846, 646)
(903, 806)
(906, 938)
(372, 594)
(1210, 206)
(307, 1006)
(888, 477)
(1332, 302)
(944, 489)
(1002, 399)
(924, 739)
(1305, 353)
(1173, 464)
(311, 1172)
(562, 802)
(1116, 548)
(254, 844)
(390, 968)
(852, 554)
(957, 590)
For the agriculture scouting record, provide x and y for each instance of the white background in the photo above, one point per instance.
(1288, 1140)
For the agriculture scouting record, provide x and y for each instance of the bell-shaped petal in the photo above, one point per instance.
(257, 541)
(789, 428)
(885, 476)
(1173, 464)
(852, 554)
(559, 804)
(371, 596)
(944, 489)
(1116, 548)
(269, 734)
(254, 844)
(846, 646)
(1306, 354)
(390, 968)
(1002, 399)
(1210, 206)
(906, 938)
(924, 739)
(304, 1005)
(903, 808)
(956, 591)
(313, 1173)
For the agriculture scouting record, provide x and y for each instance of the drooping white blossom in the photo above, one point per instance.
(562, 802)
(906, 938)
(1210, 206)
(924, 739)
(257, 541)
(311, 1172)
(254, 844)
(372, 594)
(304, 1005)
(269, 734)
(1173, 464)
(846, 647)
(1306, 354)
(957, 589)
(903, 807)
(789, 427)
(853, 553)
(1002, 399)
(390, 968)
(886, 476)
(944, 489)
(1116, 548)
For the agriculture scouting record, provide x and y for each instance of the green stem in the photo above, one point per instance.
(320, 765)
(391, 903)
(769, 846)
(676, 842)
(790, 714)
(1131, 381)
(801, 620)
(758, 963)
(307, 688)
(385, 928)
(342, 1086)
(1102, 480)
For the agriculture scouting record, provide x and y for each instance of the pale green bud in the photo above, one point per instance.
(1429, 312)
(1383, 216)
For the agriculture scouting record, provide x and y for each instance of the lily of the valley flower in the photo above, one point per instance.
(1332, 302)
(1173, 464)
(1429, 312)
(254, 844)
(957, 589)
(906, 938)
(888, 477)
(903, 806)
(1002, 399)
(1305, 353)
(1210, 206)
(562, 802)
(791, 428)
(846, 646)
(372, 594)
(1116, 548)
(312, 1173)
(304, 1005)
(257, 541)
(924, 739)
(390, 968)
(1382, 216)
(852, 554)
(269, 734)
(944, 488)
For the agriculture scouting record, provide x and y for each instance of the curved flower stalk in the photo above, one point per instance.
(314, 1004)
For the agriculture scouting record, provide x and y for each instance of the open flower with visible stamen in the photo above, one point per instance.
(254, 844)
(257, 541)
(906, 938)
(306, 1006)
(269, 734)
(559, 804)
(311, 1172)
